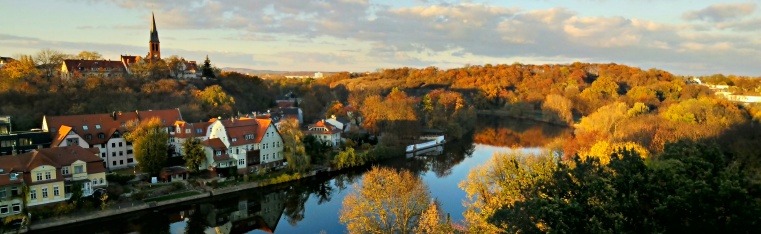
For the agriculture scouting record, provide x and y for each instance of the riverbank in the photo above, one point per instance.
(121, 209)
(534, 116)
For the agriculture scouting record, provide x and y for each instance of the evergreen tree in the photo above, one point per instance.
(206, 69)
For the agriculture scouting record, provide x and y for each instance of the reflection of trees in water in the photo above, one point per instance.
(511, 132)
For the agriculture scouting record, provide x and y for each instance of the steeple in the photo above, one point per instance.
(154, 49)
(154, 32)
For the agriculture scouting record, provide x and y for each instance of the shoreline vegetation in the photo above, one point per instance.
(610, 106)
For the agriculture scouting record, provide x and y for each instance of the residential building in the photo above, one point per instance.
(185, 70)
(339, 122)
(17, 142)
(11, 184)
(128, 61)
(184, 131)
(246, 144)
(4, 61)
(325, 132)
(51, 175)
(92, 68)
(105, 132)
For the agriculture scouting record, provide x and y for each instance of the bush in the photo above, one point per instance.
(63, 208)
(137, 196)
(178, 186)
(118, 178)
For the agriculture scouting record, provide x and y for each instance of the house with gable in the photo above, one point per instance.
(50, 175)
(88, 68)
(340, 123)
(325, 132)
(245, 144)
(105, 132)
(184, 131)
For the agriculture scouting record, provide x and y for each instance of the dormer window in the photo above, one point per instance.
(219, 153)
(235, 139)
(101, 135)
(198, 130)
(85, 128)
(97, 126)
(88, 137)
(187, 130)
(14, 176)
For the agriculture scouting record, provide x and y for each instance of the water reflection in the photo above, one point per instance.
(312, 205)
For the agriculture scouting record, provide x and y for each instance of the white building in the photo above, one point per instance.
(104, 132)
(243, 143)
(325, 132)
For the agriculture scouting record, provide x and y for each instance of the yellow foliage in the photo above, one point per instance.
(602, 150)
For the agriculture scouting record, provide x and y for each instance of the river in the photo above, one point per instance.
(312, 205)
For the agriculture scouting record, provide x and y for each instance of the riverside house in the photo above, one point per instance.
(51, 175)
(246, 144)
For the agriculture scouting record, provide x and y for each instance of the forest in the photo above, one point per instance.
(656, 117)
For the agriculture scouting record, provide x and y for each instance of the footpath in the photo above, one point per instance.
(124, 208)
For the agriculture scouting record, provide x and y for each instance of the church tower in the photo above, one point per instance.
(154, 51)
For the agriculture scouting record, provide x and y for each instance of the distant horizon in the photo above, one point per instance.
(684, 37)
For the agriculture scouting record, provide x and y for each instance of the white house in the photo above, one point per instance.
(325, 132)
(242, 143)
(104, 132)
(340, 123)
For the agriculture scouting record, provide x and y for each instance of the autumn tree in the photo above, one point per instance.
(89, 55)
(489, 190)
(216, 101)
(602, 91)
(605, 119)
(293, 146)
(387, 201)
(557, 109)
(49, 61)
(19, 69)
(149, 141)
(176, 66)
(193, 153)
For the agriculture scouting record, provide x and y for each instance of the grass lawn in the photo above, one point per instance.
(173, 196)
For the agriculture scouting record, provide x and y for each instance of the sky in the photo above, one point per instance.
(685, 37)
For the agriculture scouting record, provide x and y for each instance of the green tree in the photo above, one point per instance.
(193, 153)
(293, 147)
(501, 182)
(216, 101)
(149, 141)
(386, 201)
(206, 69)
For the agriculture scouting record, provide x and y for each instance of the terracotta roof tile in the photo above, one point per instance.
(215, 143)
(106, 124)
(89, 65)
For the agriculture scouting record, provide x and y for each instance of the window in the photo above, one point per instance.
(121, 162)
(44, 193)
(267, 135)
(219, 153)
(121, 153)
(101, 179)
(17, 208)
(88, 137)
(65, 170)
(56, 192)
(249, 136)
(198, 130)
(94, 181)
(114, 163)
(47, 175)
(101, 135)
(123, 124)
(2, 193)
(102, 155)
(113, 145)
(113, 154)
(235, 139)
(33, 194)
(97, 126)
(129, 151)
(14, 191)
(3, 209)
(120, 144)
(237, 151)
(187, 130)
(130, 160)
(241, 161)
(78, 169)
(85, 128)
(39, 176)
(72, 141)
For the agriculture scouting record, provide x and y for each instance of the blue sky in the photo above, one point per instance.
(688, 37)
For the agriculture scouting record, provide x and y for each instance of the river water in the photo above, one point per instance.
(312, 205)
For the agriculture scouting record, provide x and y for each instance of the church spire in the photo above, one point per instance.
(154, 32)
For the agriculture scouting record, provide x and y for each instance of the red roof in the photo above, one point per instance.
(329, 128)
(93, 65)
(106, 124)
(238, 129)
(193, 127)
(56, 157)
(129, 60)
